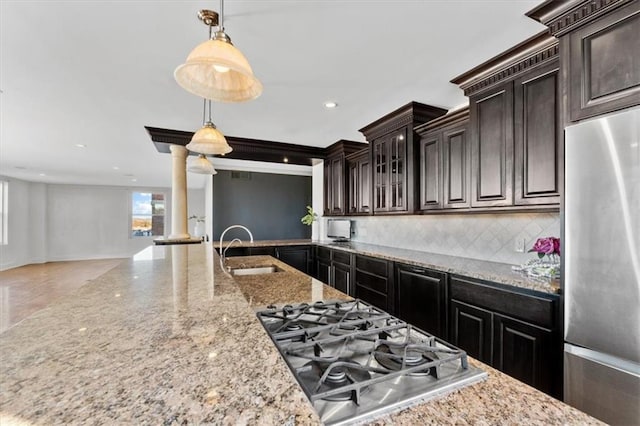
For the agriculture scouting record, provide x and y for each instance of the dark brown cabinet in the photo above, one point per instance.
(422, 298)
(431, 171)
(359, 192)
(334, 186)
(374, 282)
(491, 123)
(335, 176)
(516, 332)
(538, 137)
(300, 257)
(444, 166)
(599, 53)
(515, 131)
(471, 330)
(603, 63)
(334, 268)
(394, 156)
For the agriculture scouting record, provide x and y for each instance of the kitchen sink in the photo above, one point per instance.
(256, 270)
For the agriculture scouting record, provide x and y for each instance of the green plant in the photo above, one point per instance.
(309, 217)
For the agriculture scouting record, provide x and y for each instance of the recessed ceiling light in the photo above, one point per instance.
(330, 104)
(43, 174)
(134, 180)
(80, 145)
(116, 168)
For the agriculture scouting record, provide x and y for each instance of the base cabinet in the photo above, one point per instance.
(523, 351)
(513, 332)
(300, 257)
(471, 328)
(422, 298)
(334, 268)
(374, 282)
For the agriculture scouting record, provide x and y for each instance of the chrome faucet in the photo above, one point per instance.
(223, 252)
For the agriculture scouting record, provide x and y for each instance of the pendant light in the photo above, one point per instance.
(215, 69)
(208, 140)
(201, 165)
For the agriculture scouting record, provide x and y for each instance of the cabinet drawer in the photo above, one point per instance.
(372, 266)
(373, 297)
(371, 281)
(324, 253)
(342, 257)
(539, 310)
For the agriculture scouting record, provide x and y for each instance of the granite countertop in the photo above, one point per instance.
(481, 269)
(167, 338)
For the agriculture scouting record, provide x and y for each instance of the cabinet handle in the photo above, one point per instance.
(277, 254)
(417, 270)
(348, 282)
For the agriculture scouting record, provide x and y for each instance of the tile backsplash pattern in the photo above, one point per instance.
(491, 237)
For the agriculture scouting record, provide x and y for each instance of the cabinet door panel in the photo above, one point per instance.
(364, 188)
(327, 188)
(492, 155)
(430, 172)
(524, 351)
(397, 172)
(604, 64)
(298, 257)
(471, 330)
(456, 169)
(538, 138)
(354, 188)
(323, 271)
(342, 277)
(380, 175)
(337, 186)
(421, 296)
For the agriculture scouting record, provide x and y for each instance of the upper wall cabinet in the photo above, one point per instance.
(491, 118)
(538, 137)
(335, 169)
(394, 155)
(444, 166)
(359, 183)
(515, 132)
(600, 48)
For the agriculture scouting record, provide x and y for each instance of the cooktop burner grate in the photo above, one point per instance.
(354, 360)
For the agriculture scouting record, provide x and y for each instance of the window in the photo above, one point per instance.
(147, 214)
(4, 210)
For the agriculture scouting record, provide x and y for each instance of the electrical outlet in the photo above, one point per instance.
(520, 244)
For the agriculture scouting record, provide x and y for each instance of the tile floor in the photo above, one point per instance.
(29, 288)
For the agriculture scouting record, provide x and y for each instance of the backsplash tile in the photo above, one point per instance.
(481, 236)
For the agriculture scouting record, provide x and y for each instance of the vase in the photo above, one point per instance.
(547, 267)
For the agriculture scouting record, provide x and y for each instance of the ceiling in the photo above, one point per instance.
(96, 72)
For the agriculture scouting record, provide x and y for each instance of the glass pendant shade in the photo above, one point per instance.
(201, 165)
(218, 71)
(208, 140)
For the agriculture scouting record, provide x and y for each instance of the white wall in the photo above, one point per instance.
(73, 222)
(26, 233)
(317, 181)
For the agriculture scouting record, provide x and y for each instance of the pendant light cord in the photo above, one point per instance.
(222, 15)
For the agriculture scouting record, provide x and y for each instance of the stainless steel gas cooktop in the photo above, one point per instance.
(356, 362)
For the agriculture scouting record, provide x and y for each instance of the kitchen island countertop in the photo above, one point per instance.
(167, 338)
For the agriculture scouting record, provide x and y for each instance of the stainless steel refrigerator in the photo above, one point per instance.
(601, 256)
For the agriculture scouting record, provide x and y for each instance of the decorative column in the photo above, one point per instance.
(179, 229)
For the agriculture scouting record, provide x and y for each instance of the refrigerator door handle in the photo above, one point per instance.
(607, 360)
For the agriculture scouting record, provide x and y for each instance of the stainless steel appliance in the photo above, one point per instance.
(355, 361)
(339, 229)
(601, 257)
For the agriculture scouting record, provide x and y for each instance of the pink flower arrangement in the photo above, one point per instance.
(546, 246)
